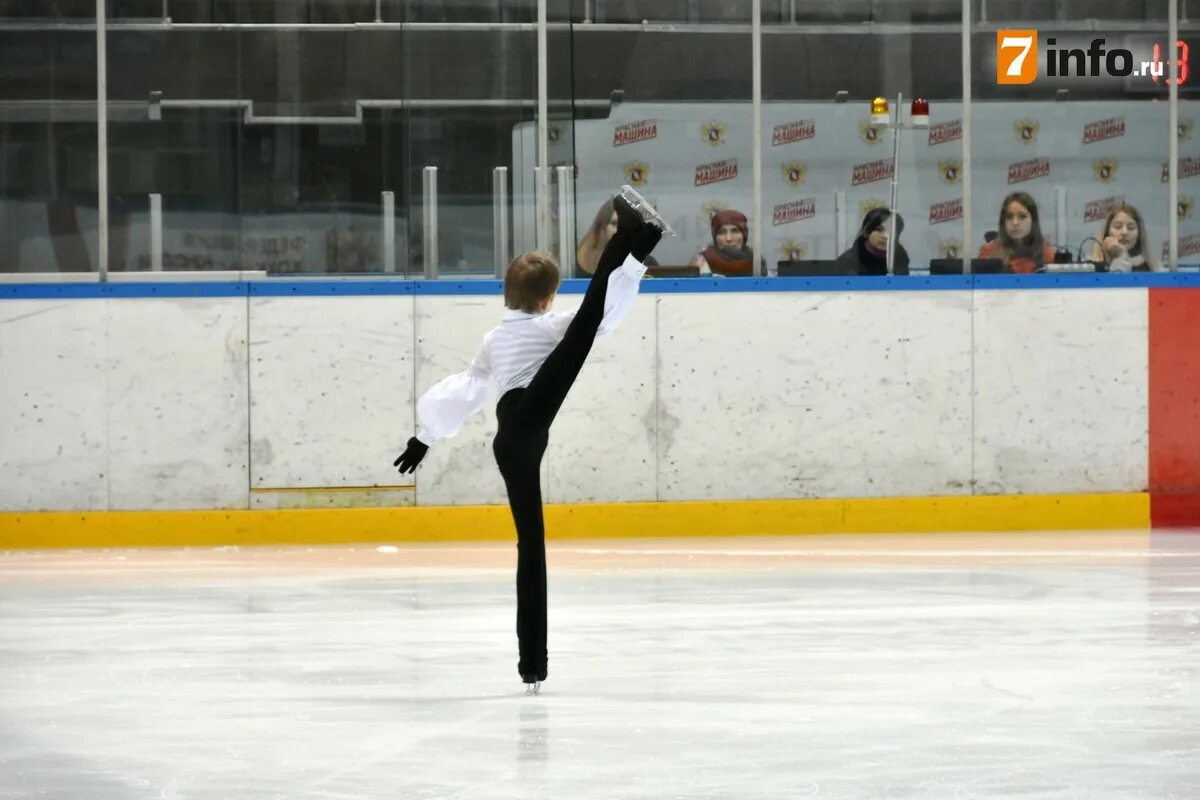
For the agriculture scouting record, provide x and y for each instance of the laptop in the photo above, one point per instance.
(954, 266)
(810, 269)
(672, 270)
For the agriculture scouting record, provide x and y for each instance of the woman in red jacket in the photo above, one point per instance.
(1019, 243)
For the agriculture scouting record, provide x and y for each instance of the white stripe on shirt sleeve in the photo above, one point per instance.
(619, 297)
(623, 287)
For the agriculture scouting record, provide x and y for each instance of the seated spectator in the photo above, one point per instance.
(729, 253)
(592, 245)
(603, 226)
(1020, 243)
(868, 254)
(1123, 245)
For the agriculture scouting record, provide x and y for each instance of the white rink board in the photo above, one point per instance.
(162, 403)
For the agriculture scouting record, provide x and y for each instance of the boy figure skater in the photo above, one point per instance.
(535, 356)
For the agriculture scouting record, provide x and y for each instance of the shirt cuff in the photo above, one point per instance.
(633, 266)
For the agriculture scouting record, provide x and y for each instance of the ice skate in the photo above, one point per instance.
(643, 207)
(533, 681)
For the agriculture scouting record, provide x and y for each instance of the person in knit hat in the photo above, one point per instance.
(729, 253)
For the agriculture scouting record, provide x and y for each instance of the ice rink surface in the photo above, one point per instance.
(1048, 665)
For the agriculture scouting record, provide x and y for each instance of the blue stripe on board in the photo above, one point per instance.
(492, 286)
(816, 284)
(1086, 280)
(355, 287)
(74, 291)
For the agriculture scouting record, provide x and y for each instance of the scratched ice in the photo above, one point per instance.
(1004, 666)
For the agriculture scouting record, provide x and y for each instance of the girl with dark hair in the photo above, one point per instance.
(868, 254)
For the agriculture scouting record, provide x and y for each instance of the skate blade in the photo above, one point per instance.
(643, 207)
(533, 688)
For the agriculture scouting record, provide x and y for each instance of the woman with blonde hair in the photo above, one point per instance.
(592, 245)
(1123, 245)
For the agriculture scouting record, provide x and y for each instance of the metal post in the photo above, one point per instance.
(541, 199)
(156, 247)
(566, 215)
(1060, 215)
(840, 222)
(101, 142)
(500, 218)
(1173, 147)
(896, 128)
(756, 59)
(389, 231)
(429, 198)
(543, 127)
(572, 239)
(966, 140)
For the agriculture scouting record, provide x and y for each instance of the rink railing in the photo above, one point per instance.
(365, 286)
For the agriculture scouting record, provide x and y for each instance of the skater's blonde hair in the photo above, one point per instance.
(530, 281)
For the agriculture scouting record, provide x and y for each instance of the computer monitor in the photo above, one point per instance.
(954, 266)
(672, 270)
(810, 269)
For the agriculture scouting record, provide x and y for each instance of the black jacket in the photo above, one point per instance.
(859, 261)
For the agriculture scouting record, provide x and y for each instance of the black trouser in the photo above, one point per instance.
(524, 417)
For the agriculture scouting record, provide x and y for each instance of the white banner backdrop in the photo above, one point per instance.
(1076, 159)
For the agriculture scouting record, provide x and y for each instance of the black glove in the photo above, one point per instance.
(411, 457)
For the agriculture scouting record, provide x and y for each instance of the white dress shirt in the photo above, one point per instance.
(512, 353)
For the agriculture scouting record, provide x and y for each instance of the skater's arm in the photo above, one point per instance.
(622, 292)
(443, 409)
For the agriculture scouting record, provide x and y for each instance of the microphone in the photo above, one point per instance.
(1099, 244)
(990, 236)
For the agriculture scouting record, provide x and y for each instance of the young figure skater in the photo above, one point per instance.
(535, 355)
